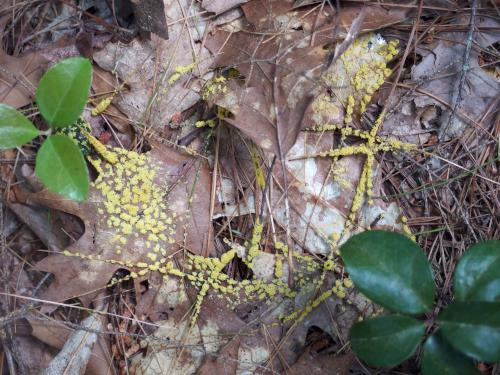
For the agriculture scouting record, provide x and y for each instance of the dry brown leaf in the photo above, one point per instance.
(33, 355)
(19, 77)
(263, 13)
(480, 89)
(224, 362)
(146, 67)
(104, 85)
(320, 199)
(76, 351)
(180, 349)
(281, 65)
(150, 17)
(176, 174)
(322, 364)
(56, 334)
(221, 6)
(286, 82)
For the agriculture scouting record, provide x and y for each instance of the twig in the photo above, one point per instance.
(264, 192)
(465, 64)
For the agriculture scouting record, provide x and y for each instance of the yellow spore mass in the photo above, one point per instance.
(214, 87)
(132, 201)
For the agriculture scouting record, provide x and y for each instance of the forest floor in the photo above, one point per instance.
(253, 139)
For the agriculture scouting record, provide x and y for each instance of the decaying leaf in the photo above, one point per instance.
(321, 364)
(446, 56)
(76, 352)
(56, 334)
(142, 206)
(281, 72)
(33, 355)
(322, 191)
(158, 71)
(150, 17)
(19, 76)
(221, 6)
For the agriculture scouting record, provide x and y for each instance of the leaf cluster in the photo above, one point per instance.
(393, 272)
(61, 96)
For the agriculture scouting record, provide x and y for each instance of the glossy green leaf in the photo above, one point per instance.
(15, 128)
(439, 358)
(473, 328)
(386, 341)
(477, 276)
(61, 167)
(63, 90)
(391, 270)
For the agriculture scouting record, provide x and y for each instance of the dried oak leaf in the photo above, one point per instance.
(150, 17)
(322, 364)
(445, 60)
(281, 71)
(18, 75)
(221, 6)
(263, 13)
(140, 210)
(149, 67)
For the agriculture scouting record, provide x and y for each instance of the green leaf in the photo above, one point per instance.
(61, 167)
(386, 341)
(63, 90)
(477, 276)
(439, 358)
(391, 270)
(473, 328)
(15, 129)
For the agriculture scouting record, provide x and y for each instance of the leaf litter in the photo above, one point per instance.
(242, 308)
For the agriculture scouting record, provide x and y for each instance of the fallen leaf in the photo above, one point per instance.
(148, 66)
(76, 352)
(221, 6)
(150, 17)
(177, 183)
(224, 362)
(33, 355)
(281, 72)
(322, 364)
(445, 60)
(19, 75)
(56, 334)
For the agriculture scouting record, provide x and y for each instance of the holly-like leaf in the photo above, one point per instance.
(63, 90)
(61, 167)
(439, 358)
(473, 328)
(391, 270)
(15, 129)
(386, 341)
(477, 276)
